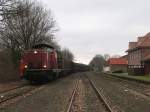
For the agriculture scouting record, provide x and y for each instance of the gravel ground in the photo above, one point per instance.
(119, 96)
(140, 87)
(86, 99)
(53, 98)
(9, 85)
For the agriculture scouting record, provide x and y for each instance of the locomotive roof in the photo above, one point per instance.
(43, 45)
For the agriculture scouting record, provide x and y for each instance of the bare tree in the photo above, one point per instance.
(7, 8)
(106, 57)
(67, 55)
(97, 63)
(33, 25)
(5, 5)
(68, 58)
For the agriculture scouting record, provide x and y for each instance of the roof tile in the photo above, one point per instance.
(117, 61)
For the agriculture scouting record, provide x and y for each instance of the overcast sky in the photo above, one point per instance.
(89, 27)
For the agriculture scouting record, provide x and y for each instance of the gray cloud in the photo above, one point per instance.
(90, 27)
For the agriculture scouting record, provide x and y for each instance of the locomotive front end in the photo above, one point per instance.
(35, 65)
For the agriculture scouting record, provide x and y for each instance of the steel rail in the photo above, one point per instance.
(100, 95)
(73, 96)
(14, 95)
(11, 89)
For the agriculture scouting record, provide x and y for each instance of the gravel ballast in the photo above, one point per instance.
(53, 98)
(86, 100)
(119, 96)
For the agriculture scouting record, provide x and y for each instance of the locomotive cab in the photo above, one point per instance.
(39, 63)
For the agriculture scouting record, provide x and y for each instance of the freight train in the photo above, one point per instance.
(44, 63)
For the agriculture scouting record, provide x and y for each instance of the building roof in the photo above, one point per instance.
(141, 42)
(117, 61)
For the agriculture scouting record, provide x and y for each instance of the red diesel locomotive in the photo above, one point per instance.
(41, 63)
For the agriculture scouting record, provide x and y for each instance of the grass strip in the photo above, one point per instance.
(144, 79)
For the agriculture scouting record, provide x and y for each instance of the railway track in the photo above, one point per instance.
(15, 92)
(96, 96)
(11, 89)
(72, 97)
(100, 96)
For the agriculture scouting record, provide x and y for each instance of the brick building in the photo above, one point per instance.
(139, 56)
(118, 64)
(146, 62)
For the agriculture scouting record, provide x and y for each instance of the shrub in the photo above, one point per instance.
(118, 71)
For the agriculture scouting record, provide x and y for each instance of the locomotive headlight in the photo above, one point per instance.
(25, 66)
(44, 66)
(35, 52)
